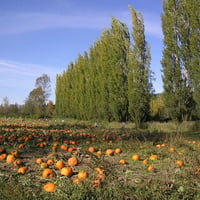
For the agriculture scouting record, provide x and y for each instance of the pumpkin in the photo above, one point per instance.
(82, 175)
(60, 164)
(122, 161)
(179, 163)
(15, 153)
(63, 147)
(49, 187)
(110, 152)
(50, 162)
(145, 162)
(10, 158)
(3, 156)
(47, 173)
(99, 153)
(91, 149)
(43, 165)
(153, 157)
(118, 150)
(17, 163)
(150, 168)
(22, 170)
(39, 160)
(135, 157)
(172, 149)
(73, 161)
(66, 171)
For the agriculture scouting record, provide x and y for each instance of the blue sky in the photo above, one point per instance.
(44, 36)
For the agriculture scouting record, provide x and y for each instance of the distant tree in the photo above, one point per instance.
(6, 106)
(50, 109)
(36, 103)
(44, 83)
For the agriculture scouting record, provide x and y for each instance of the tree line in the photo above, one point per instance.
(113, 81)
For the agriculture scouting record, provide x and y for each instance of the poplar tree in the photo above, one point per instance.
(118, 60)
(176, 61)
(190, 39)
(140, 75)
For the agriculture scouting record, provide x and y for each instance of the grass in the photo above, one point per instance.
(130, 181)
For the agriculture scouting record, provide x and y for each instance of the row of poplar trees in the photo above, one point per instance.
(114, 80)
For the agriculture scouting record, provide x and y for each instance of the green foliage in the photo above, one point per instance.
(140, 75)
(35, 104)
(180, 27)
(157, 108)
(98, 85)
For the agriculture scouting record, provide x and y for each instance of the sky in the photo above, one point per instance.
(43, 36)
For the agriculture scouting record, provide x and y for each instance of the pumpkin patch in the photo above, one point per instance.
(55, 158)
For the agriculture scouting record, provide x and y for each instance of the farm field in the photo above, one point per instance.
(43, 159)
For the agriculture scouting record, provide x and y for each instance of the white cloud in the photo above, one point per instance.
(15, 23)
(24, 69)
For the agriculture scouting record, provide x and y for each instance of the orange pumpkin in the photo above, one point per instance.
(172, 149)
(135, 157)
(15, 153)
(91, 149)
(60, 164)
(82, 175)
(122, 161)
(145, 162)
(49, 187)
(110, 152)
(39, 160)
(17, 163)
(22, 170)
(63, 147)
(10, 158)
(153, 157)
(50, 162)
(118, 150)
(150, 168)
(73, 161)
(66, 171)
(99, 153)
(47, 173)
(3, 156)
(180, 163)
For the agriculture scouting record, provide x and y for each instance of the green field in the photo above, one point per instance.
(29, 140)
